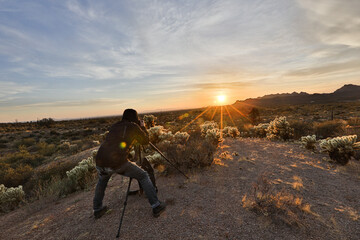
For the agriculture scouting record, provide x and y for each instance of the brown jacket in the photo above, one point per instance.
(114, 151)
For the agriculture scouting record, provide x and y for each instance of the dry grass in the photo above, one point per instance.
(278, 205)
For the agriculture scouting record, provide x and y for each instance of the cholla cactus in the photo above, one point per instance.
(155, 159)
(309, 142)
(279, 129)
(260, 130)
(207, 126)
(149, 121)
(213, 136)
(340, 149)
(10, 198)
(166, 136)
(231, 132)
(78, 174)
(155, 134)
(181, 137)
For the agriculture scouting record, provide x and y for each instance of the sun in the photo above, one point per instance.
(221, 98)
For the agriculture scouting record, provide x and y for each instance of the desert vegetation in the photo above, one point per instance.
(35, 155)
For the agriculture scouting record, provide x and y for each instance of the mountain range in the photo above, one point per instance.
(347, 93)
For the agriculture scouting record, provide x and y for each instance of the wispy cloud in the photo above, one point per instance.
(144, 51)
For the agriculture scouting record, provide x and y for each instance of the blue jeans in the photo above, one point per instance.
(131, 170)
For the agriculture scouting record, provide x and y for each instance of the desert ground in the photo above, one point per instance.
(214, 202)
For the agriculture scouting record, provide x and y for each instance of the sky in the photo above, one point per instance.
(77, 59)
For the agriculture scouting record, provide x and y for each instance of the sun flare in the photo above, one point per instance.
(221, 98)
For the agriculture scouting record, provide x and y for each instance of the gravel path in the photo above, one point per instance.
(209, 205)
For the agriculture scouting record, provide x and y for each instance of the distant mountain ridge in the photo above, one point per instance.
(346, 93)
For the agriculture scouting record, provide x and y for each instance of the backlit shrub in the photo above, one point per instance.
(213, 136)
(181, 137)
(340, 149)
(309, 142)
(259, 130)
(208, 125)
(10, 198)
(330, 128)
(232, 132)
(279, 129)
(80, 174)
(149, 121)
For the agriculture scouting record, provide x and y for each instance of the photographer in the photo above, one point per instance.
(112, 157)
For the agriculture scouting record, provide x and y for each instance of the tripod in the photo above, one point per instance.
(123, 212)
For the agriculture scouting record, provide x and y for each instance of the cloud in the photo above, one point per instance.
(328, 69)
(8, 89)
(334, 21)
(221, 85)
(76, 103)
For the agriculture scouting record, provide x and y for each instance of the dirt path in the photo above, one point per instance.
(209, 205)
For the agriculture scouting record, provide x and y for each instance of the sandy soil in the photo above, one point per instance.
(209, 205)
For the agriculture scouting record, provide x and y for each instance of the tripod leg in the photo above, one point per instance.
(123, 212)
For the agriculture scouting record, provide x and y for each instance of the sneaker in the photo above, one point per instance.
(99, 213)
(159, 209)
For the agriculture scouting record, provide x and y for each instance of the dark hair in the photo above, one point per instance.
(131, 116)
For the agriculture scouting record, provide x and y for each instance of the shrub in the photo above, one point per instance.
(254, 115)
(279, 129)
(340, 149)
(79, 175)
(25, 142)
(181, 137)
(17, 176)
(330, 128)
(259, 130)
(280, 206)
(213, 136)
(232, 132)
(45, 122)
(10, 198)
(149, 121)
(195, 153)
(208, 125)
(155, 133)
(309, 142)
(301, 128)
(23, 157)
(46, 149)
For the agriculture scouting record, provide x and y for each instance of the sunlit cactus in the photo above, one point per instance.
(207, 126)
(340, 149)
(279, 129)
(155, 133)
(232, 132)
(10, 198)
(181, 137)
(155, 158)
(309, 142)
(149, 121)
(213, 136)
(260, 130)
(78, 174)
